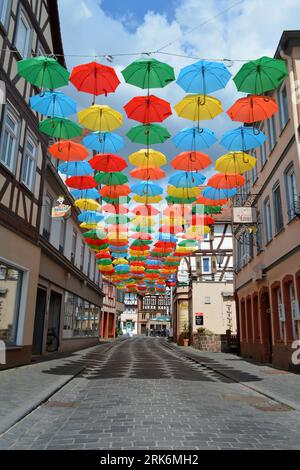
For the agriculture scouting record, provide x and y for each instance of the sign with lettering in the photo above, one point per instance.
(244, 215)
(199, 317)
(60, 211)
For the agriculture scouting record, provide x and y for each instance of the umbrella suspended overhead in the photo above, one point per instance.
(218, 194)
(180, 200)
(43, 72)
(198, 107)
(203, 77)
(81, 168)
(147, 109)
(194, 138)
(148, 134)
(146, 188)
(147, 199)
(85, 194)
(100, 118)
(235, 162)
(68, 151)
(191, 161)
(90, 217)
(147, 158)
(53, 104)
(87, 204)
(108, 162)
(111, 178)
(148, 73)
(261, 75)
(113, 209)
(243, 138)
(147, 173)
(104, 142)
(81, 182)
(186, 179)
(94, 78)
(228, 181)
(145, 210)
(253, 109)
(114, 192)
(60, 128)
(201, 200)
(182, 192)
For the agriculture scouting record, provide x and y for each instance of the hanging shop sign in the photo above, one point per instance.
(244, 215)
(199, 319)
(62, 210)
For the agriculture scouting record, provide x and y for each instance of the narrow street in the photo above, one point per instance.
(145, 393)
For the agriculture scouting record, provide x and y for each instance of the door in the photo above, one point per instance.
(267, 326)
(54, 321)
(39, 320)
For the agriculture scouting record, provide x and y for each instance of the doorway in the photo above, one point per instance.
(54, 322)
(267, 326)
(39, 321)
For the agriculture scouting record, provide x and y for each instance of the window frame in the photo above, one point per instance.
(290, 169)
(277, 208)
(5, 14)
(272, 132)
(268, 223)
(9, 112)
(283, 109)
(46, 232)
(30, 157)
(22, 16)
(204, 271)
(73, 246)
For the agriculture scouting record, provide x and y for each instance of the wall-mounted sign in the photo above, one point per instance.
(199, 317)
(60, 211)
(244, 215)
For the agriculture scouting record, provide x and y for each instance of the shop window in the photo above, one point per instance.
(10, 293)
(81, 318)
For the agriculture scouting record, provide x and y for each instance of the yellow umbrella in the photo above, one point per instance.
(147, 199)
(117, 236)
(199, 230)
(100, 118)
(87, 226)
(172, 220)
(118, 261)
(198, 107)
(183, 192)
(87, 204)
(143, 221)
(148, 158)
(235, 162)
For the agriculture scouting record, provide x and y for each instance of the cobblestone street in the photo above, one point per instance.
(142, 393)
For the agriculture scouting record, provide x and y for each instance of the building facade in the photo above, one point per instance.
(154, 314)
(129, 318)
(267, 260)
(109, 311)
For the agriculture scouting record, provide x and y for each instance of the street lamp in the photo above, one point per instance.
(220, 259)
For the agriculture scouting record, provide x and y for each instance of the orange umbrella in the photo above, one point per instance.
(113, 209)
(68, 151)
(148, 173)
(173, 229)
(191, 161)
(253, 108)
(228, 181)
(115, 191)
(210, 202)
(108, 162)
(141, 236)
(81, 182)
(199, 219)
(177, 210)
(145, 210)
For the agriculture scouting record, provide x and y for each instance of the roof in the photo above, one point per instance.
(288, 39)
(56, 31)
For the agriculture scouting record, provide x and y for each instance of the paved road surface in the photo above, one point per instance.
(142, 394)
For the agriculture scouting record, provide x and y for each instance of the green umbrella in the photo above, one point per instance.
(60, 128)
(141, 242)
(148, 73)
(172, 263)
(140, 228)
(104, 262)
(177, 200)
(261, 75)
(207, 210)
(137, 258)
(148, 134)
(117, 201)
(188, 243)
(117, 219)
(111, 179)
(94, 234)
(43, 72)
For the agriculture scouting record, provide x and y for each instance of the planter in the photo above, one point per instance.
(186, 342)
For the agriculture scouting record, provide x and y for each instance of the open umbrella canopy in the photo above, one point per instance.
(53, 104)
(252, 109)
(96, 79)
(104, 142)
(148, 73)
(90, 217)
(200, 219)
(117, 219)
(43, 72)
(261, 75)
(60, 128)
(147, 109)
(115, 209)
(85, 194)
(198, 107)
(114, 192)
(146, 188)
(148, 134)
(226, 181)
(87, 204)
(182, 192)
(111, 178)
(210, 202)
(145, 210)
(191, 161)
(81, 168)
(194, 139)
(180, 200)
(235, 162)
(147, 199)
(176, 211)
(117, 201)
(81, 182)
(203, 77)
(148, 173)
(100, 118)
(108, 162)
(147, 158)
(141, 236)
(68, 151)
(186, 179)
(243, 138)
(217, 193)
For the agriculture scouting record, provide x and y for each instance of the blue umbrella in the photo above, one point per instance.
(82, 168)
(146, 188)
(194, 139)
(154, 262)
(186, 179)
(122, 269)
(85, 194)
(203, 77)
(217, 193)
(117, 255)
(53, 104)
(118, 248)
(104, 142)
(90, 217)
(169, 238)
(243, 138)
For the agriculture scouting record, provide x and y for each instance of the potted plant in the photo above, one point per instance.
(185, 334)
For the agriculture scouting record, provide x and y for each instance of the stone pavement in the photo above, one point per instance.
(140, 394)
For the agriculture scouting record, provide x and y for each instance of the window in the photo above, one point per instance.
(268, 220)
(82, 252)
(283, 107)
(247, 185)
(263, 154)
(62, 235)
(291, 191)
(89, 266)
(73, 249)
(47, 217)
(5, 7)
(10, 291)
(23, 35)
(251, 245)
(238, 254)
(29, 162)
(207, 300)
(278, 217)
(272, 132)
(258, 235)
(80, 317)
(10, 139)
(244, 250)
(294, 307)
(206, 266)
(254, 171)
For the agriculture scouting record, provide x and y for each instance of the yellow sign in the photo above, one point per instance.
(60, 211)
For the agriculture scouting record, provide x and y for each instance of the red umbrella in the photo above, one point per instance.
(253, 108)
(210, 202)
(141, 236)
(170, 229)
(96, 242)
(228, 181)
(145, 210)
(115, 191)
(113, 209)
(81, 182)
(191, 161)
(68, 151)
(103, 255)
(147, 109)
(94, 78)
(177, 210)
(108, 162)
(148, 173)
(199, 219)
(164, 245)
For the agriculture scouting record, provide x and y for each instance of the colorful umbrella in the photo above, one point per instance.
(148, 134)
(147, 109)
(117, 219)
(104, 142)
(147, 158)
(179, 200)
(90, 217)
(100, 118)
(94, 78)
(148, 73)
(228, 181)
(43, 72)
(186, 179)
(81, 168)
(217, 194)
(182, 192)
(147, 173)
(253, 109)
(210, 202)
(68, 151)
(235, 162)
(111, 179)
(191, 161)
(87, 204)
(85, 194)
(114, 192)
(198, 107)
(201, 219)
(203, 77)
(194, 138)
(108, 162)
(146, 188)
(53, 104)
(112, 209)
(243, 138)
(81, 182)
(60, 128)
(261, 75)
(145, 210)
(147, 199)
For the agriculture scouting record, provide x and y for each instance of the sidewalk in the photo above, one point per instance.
(279, 385)
(28, 386)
